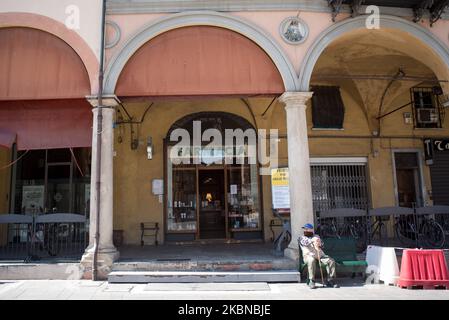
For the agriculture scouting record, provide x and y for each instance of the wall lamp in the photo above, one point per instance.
(149, 148)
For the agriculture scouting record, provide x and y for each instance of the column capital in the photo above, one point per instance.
(110, 101)
(295, 99)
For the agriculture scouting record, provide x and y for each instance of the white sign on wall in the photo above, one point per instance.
(33, 199)
(280, 190)
(158, 187)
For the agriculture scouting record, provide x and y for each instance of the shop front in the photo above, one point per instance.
(45, 140)
(436, 153)
(206, 197)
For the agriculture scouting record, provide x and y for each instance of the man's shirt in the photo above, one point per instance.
(307, 246)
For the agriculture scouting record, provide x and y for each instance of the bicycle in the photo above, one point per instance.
(378, 228)
(420, 228)
(285, 237)
(46, 237)
(353, 228)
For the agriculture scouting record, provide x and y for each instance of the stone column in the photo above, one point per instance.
(107, 253)
(301, 208)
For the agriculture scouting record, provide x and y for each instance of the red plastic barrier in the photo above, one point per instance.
(426, 268)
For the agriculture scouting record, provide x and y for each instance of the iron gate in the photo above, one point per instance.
(339, 186)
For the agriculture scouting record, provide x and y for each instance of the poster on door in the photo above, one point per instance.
(33, 199)
(280, 188)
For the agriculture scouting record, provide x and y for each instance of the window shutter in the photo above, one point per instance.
(328, 110)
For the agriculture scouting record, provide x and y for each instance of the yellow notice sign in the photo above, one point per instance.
(280, 188)
(279, 177)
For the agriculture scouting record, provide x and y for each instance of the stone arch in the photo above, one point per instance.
(202, 18)
(35, 21)
(234, 121)
(389, 22)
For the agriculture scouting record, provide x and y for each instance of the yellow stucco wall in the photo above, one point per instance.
(133, 173)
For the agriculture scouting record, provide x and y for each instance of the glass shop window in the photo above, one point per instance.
(52, 181)
(243, 198)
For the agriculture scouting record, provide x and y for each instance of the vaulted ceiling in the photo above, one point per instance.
(363, 63)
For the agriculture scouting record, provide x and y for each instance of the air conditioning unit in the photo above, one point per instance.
(427, 115)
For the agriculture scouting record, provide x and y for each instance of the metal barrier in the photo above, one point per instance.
(406, 227)
(437, 221)
(423, 227)
(47, 236)
(14, 236)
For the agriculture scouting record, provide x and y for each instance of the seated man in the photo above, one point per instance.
(311, 247)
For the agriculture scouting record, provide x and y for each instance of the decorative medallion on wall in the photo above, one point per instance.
(113, 35)
(294, 30)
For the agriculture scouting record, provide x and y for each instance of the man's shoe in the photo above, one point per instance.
(331, 284)
(312, 284)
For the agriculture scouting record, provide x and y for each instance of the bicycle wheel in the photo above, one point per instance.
(286, 240)
(405, 231)
(433, 234)
(358, 232)
(327, 230)
(283, 240)
(382, 234)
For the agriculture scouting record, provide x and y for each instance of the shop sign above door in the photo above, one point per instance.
(434, 145)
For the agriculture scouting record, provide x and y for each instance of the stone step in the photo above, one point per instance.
(40, 271)
(205, 265)
(202, 276)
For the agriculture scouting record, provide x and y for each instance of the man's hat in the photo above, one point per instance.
(308, 226)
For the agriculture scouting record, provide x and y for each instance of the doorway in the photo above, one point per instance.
(408, 179)
(212, 209)
(207, 197)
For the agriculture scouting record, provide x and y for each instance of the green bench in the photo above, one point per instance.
(343, 251)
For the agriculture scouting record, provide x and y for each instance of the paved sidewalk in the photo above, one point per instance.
(89, 290)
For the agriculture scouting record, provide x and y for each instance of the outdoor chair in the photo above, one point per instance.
(148, 229)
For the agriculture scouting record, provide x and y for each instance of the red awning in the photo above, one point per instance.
(47, 124)
(36, 65)
(199, 60)
(7, 138)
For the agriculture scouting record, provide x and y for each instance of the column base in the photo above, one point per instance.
(106, 257)
(292, 253)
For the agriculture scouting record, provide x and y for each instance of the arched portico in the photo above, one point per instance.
(30, 20)
(190, 41)
(386, 22)
(203, 18)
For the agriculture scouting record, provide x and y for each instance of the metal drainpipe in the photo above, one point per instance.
(99, 136)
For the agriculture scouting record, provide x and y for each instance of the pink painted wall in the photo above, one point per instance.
(130, 24)
(267, 21)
